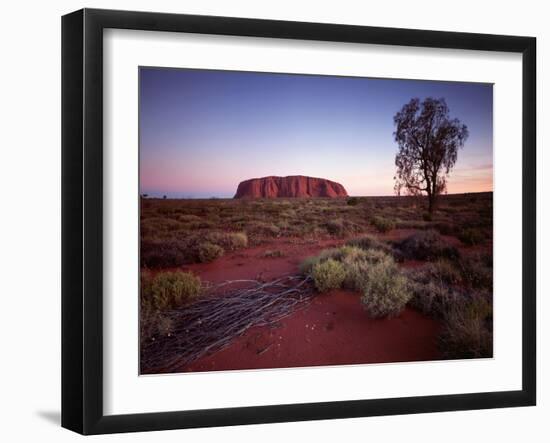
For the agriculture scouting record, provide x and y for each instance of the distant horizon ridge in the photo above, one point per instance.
(160, 196)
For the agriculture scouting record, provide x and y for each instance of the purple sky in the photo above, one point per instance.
(203, 131)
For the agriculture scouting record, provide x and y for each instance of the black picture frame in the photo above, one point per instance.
(82, 219)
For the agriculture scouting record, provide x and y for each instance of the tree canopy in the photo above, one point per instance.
(428, 142)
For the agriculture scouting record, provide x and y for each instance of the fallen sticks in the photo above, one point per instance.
(226, 312)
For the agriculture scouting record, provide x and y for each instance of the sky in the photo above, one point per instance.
(201, 132)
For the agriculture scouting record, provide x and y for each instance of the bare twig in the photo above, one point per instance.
(227, 311)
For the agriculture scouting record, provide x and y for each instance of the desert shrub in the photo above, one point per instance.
(237, 240)
(349, 254)
(356, 275)
(167, 290)
(432, 296)
(153, 323)
(328, 274)
(382, 224)
(230, 241)
(412, 224)
(160, 293)
(374, 256)
(355, 262)
(368, 242)
(202, 224)
(472, 236)
(307, 265)
(335, 227)
(207, 252)
(273, 254)
(467, 330)
(164, 253)
(189, 218)
(288, 213)
(386, 291)
(427, 245)
(165, 325)
(331, 253)
(466, 316)
(158, 225)
(445, 271)
(353, 201)
(283, 225)
(182, 247)
(445, 228)
(265, 229)
(477, 271)
(427, 217)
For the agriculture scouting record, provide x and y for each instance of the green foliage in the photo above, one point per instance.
(183, 247)
(427, 245)
(331, 253)
(208, 252)
(307, 265)
(468, 331)
(167, 290)
(383, 224)
(430, 294)
(356, 275)
(172, 230)
(328, 275)
(156, 225)
(264, 228)
(477, 271)
(160, 253)
(229, 241)
(336, 227)
(348, 267)
(445, 271)
(369, 242)
(159, 294)
(358, 262)
(350, 254)
(189, 218)
(466, 315)
(352, 201)
(386, 291)
(370, 271)
(426, 135)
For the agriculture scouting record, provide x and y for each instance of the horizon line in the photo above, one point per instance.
(213, 197)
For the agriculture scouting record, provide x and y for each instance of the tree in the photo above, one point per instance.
(428, 141)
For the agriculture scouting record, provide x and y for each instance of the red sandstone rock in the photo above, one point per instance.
(289, 187)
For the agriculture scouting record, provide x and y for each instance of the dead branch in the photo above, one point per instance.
(227, 311)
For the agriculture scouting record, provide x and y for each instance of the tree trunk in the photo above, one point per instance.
(431, 203)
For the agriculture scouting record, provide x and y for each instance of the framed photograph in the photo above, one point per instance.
(268, 221)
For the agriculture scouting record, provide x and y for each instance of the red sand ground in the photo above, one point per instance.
(333, 329)
(252, 263)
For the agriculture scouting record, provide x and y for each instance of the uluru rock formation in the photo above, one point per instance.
(289, 187)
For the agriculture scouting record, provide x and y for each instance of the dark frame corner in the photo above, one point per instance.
(82, 151)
